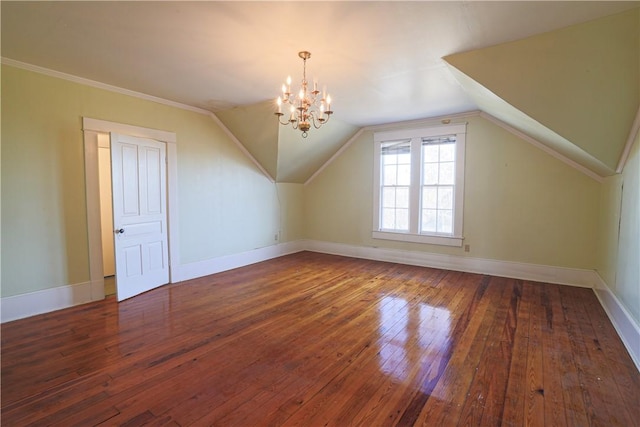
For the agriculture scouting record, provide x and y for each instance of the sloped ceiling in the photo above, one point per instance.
(281, 150)
(565, 73)
(576, 89)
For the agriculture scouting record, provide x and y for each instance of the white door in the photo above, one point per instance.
(138, 168)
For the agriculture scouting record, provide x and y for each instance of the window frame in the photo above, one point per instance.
(416, 136)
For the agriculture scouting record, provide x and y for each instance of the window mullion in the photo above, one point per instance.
(414, 191)
(397, 192)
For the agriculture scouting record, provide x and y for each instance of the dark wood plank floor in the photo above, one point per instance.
(311, 339)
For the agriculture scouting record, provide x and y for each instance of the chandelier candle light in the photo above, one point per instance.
(305, 108)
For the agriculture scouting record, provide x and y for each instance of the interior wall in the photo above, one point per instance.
(226, 205)
(291, 211)
(520, 203)
(627, 284)
(611, 198)
(618, 261)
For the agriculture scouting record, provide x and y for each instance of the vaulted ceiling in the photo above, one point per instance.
(576, 89)
(564, 73)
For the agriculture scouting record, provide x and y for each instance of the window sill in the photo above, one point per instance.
(419, 238)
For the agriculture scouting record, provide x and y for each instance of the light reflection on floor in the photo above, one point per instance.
(410, 335)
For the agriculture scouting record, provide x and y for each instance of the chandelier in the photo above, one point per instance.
(307, 107)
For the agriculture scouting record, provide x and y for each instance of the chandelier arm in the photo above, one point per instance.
(279, 115)
(315, 121)
(286, 122)
(319, 121)
(305, 110)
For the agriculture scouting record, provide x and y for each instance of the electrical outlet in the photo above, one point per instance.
(467, 248)
(275, 237)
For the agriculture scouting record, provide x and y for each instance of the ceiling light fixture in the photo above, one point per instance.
(306, 108)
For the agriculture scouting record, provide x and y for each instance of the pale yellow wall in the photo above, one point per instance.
(582, 82)
(281, 150)
(521, 204)
(291, 211)
(256, 128)
(611, 194)
(226, 205)
(627, 286)
(619, 256)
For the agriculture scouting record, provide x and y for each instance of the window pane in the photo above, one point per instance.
(389, 158)
(404, 159)
(389, 175)
(446, 176)
(402, 219)
(388, 218)
(428, 221)
(430, 174)
(388, 197)
(445, 221)
(445, 198)
(404, 175)
(430, 153)
(447, 152)
(402, 198)
(429, 198)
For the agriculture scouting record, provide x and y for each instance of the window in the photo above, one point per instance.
(419, 185)
(396, 182)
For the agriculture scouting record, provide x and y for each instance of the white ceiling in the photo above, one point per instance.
(381, 61)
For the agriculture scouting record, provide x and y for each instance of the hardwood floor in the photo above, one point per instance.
(311, 339)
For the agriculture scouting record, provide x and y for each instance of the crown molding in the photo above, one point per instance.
(100, 85)
(427, 121)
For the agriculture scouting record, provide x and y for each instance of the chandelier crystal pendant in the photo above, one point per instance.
(307, 107)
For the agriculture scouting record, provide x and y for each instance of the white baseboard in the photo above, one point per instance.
(39, 302)
(19, 306)
(47, 300)
(516, 270)
(229, 262)
(30, 304)
(627, 328)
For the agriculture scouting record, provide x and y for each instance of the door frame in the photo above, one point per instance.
(91, 128)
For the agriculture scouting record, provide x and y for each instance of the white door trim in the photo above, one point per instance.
(91, 128)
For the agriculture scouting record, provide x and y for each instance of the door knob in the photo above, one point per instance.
(120, 231)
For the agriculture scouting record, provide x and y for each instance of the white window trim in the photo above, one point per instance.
(413, 235)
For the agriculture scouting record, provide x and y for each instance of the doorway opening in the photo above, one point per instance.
(106, 214)
(101, 232)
